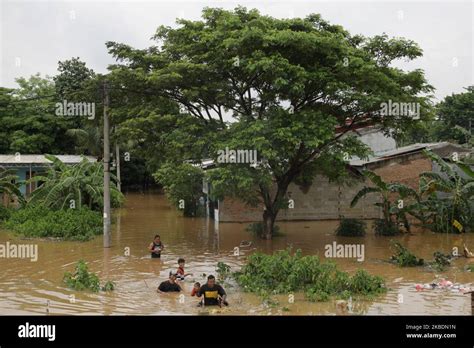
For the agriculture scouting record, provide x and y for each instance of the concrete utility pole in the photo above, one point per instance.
(106, 169)
(117, 163)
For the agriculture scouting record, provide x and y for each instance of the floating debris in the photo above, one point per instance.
(443, 284)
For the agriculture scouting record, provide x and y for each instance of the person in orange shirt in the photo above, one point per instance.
(196, 288)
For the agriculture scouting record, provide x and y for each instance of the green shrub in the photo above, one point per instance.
(82, 279)
(71, 224)
(403, 257)
(470, 268)
(284, 272)
(223, 271)
(441, 261)
(256, 230)
(385, 228)
(5, 213)
(108, 286)
(351, 228)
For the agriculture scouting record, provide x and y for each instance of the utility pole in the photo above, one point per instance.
(106, 216)
(117, 163)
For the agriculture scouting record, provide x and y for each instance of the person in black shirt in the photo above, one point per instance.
(213, 294)
(169, 285)
(156, 247)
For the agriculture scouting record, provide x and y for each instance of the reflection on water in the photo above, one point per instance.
(35, 287)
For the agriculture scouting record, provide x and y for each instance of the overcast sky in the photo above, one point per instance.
(35, 35)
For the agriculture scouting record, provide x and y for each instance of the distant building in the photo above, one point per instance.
(325, 200)
(27, 166)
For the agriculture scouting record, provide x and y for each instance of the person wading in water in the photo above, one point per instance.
(169, 285)
(156, 247)
(213, 294)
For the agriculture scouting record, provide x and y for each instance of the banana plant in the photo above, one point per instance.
(10, 185)
(448, 195)
(393, 211)
(79, 184)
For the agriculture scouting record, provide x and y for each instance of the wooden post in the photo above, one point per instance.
(106, 169)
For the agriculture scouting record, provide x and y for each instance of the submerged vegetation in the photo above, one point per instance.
(41, 222)
(403, 257)
(351, 228)
(256, 229)
(66, 204)
(82, 279)
(441, 261)
(284, 272)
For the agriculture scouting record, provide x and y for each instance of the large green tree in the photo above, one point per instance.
(28, 120)
(456, 117)
(291, 89)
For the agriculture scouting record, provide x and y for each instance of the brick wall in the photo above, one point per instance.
(322, 201)
(405, 170)
(325, 200)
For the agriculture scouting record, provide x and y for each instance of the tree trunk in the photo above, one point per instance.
(272, 207)
(268, 223)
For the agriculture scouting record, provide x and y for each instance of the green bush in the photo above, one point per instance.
(441, 261)
(284, 272)
(385, 228)
(256, 230)
(5, 213)
(351, 228)
(223, 271)
(82, 279)
(403, 257)
(72, 224)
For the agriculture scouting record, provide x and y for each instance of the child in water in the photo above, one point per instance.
(196, 288)
(156, 247)
(180, 274)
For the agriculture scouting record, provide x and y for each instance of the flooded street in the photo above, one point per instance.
(36, 287)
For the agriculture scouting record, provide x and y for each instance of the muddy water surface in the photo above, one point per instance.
(36, 287)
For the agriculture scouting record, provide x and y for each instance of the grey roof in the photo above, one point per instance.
(41, 159)
(418, 147)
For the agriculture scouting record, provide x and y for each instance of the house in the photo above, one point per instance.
(325, 200)
(27, 166)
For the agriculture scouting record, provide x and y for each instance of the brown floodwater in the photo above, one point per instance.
(28, 287)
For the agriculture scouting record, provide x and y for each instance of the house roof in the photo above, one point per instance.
(443, 149)
(12, 160)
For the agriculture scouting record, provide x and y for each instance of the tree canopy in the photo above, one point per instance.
(291, 89)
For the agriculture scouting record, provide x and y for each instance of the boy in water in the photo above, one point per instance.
(196, 288)
(180, 274)
(156, 247)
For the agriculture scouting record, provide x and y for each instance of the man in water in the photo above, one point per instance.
(169, 285)
(213, 294)
(156, 247)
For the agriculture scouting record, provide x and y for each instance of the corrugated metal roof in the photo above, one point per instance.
(405, 150)
(41, 159)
